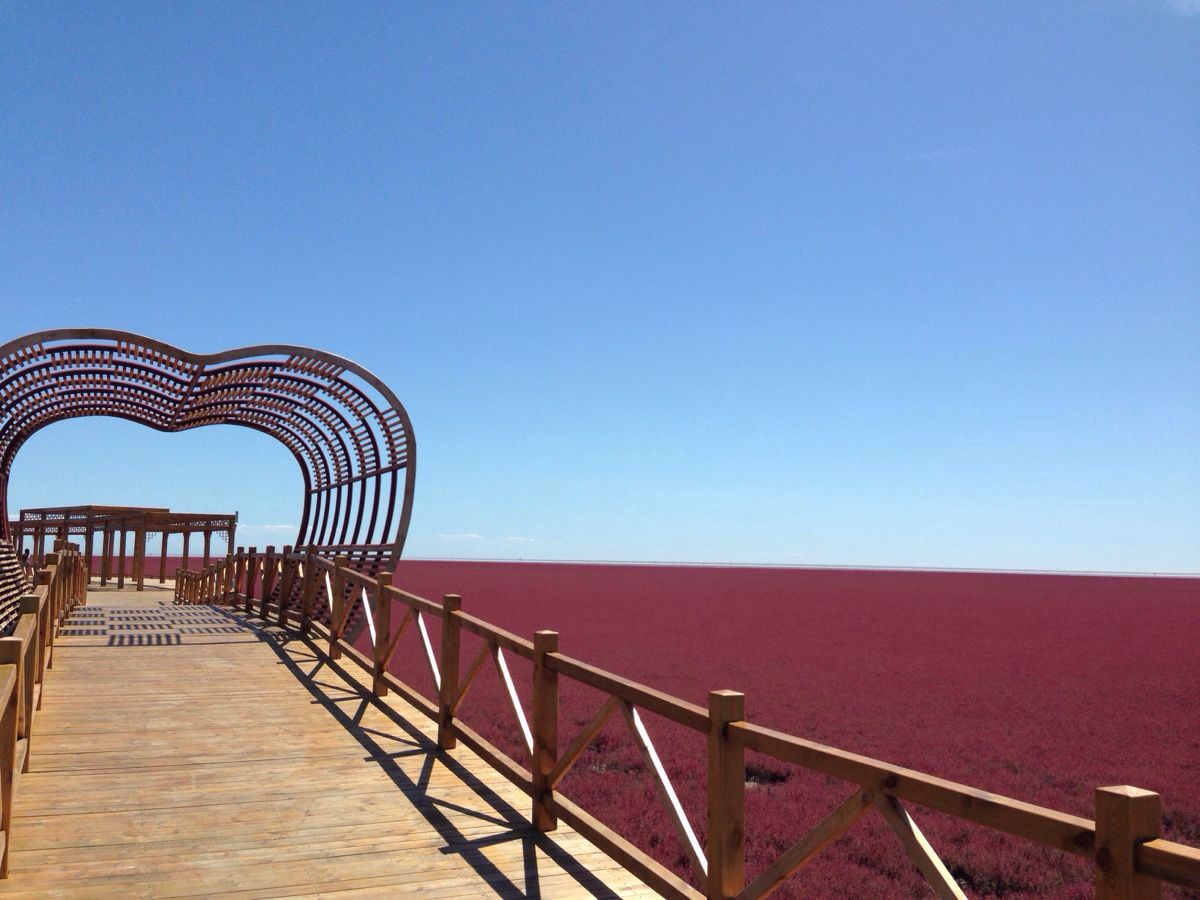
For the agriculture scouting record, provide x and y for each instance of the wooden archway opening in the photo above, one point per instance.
(346, 429)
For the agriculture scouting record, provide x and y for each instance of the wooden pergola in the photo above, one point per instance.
(345, 428)
(114, 525)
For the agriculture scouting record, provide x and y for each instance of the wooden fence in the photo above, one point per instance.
(301, 589)
(25, 655)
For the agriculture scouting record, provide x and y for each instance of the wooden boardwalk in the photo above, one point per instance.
(183, 751)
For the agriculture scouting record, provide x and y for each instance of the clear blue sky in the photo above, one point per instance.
(842, 283)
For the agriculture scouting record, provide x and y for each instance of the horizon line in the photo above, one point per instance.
(815, 566)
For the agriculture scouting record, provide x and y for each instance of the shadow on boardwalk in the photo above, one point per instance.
(307, 665)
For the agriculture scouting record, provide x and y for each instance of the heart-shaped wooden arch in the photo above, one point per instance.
(346, 428)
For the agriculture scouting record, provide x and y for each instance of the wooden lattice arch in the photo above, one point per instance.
(347, 430)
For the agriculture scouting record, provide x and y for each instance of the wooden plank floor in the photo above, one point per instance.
(181, 752)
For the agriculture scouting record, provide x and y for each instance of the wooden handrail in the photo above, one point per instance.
(1124, 857)
(25, 654)
(1169, 861)
(687, 714)
(493, 635)
(1036, 823)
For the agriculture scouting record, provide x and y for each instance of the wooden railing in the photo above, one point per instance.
(25, 655)
(303, 588)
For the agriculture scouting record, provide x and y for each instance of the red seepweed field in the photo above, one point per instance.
(1037, 686)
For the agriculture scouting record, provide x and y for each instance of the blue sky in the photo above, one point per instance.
(842, 283)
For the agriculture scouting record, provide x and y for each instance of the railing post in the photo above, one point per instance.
(239, 569)
(268, 581)
(226, 578)
(383, 632)
(337, 606)
(31, 604)
(1125, 817)
(310, 593)
(9, 718)
(285, 584)
(448, 666)
(726, 850)
(12, 652)
(545, 730)
(251, 573)
(33, 663)
(42, 577)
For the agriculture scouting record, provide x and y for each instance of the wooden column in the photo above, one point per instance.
(187, 536)
(139, 555)
(726, 848)
(162, 557)
(207, 547)
(121, 562)
(251, 572)
(545, 730)
(39, 547)
(451, 642)
(1125, 817)
(88, 546)
(105, 556)
(383, 633)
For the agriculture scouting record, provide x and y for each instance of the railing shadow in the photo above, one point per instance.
(307, 664)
